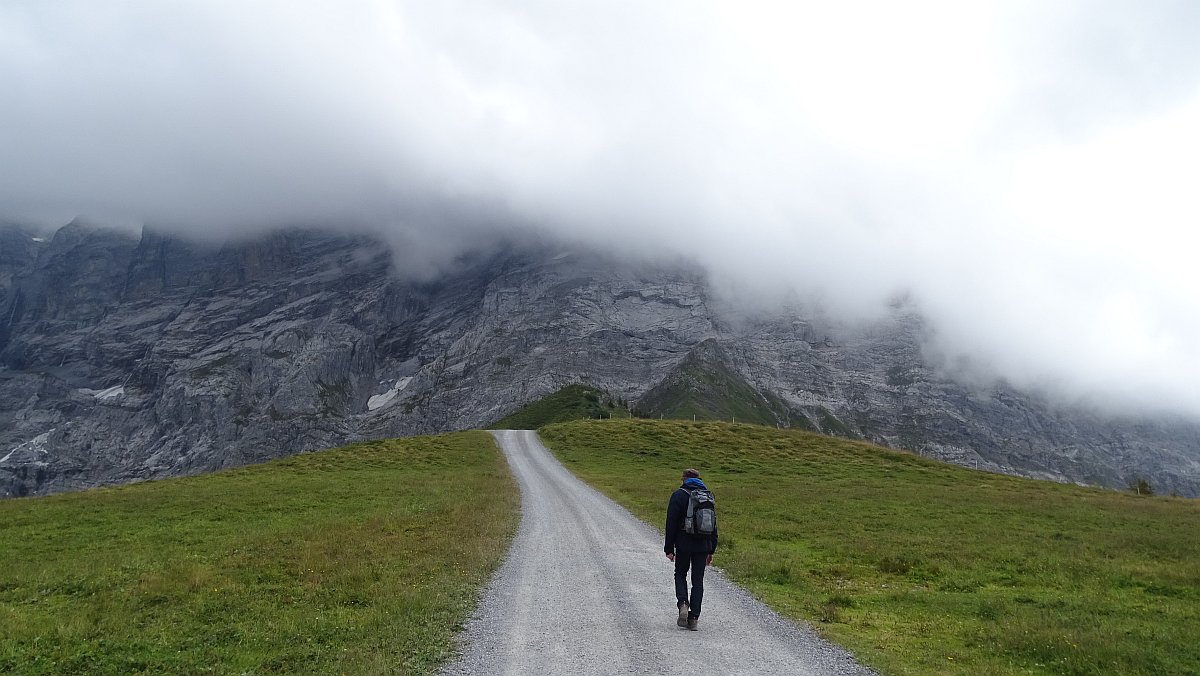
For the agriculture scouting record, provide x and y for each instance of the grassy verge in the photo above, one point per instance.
(917, 566)
(363, 559)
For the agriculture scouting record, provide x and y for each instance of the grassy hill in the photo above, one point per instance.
(360, 560)
(918, 566)
(573, 402)
(365, 559)
(704, 387)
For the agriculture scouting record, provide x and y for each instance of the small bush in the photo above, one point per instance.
(1141, 486)
(779, 574)
(840, 600)
(990, 610)
(897, 565)
(830, 614)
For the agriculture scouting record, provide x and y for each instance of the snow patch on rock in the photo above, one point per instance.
(110, 393)
(380, 400)
(36, 445)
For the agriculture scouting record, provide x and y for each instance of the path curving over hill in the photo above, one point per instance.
(586, 590)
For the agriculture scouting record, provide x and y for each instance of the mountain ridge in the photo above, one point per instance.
(126, 358)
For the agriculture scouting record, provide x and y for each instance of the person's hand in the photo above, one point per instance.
(671, 558)
(708, 561)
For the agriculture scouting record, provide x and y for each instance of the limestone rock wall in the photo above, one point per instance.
(126, 358)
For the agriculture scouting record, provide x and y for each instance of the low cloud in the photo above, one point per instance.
(1023, 172)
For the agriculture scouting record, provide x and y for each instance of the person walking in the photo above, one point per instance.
(691, 534)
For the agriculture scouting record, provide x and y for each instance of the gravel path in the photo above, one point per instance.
(586, 590)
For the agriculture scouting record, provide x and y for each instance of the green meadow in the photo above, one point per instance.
(357, 560)
(366, 559)
(920, 567)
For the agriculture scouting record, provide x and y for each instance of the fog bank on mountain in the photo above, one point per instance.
(1020, 172)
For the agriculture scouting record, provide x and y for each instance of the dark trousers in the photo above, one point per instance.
(697, 563)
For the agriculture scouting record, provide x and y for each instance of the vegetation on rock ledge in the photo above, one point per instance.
(573, 402)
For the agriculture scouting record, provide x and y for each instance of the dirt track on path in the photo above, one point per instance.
(586, 590)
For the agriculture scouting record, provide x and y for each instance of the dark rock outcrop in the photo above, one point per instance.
(126, 358)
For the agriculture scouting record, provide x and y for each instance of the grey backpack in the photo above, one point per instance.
(701, 516)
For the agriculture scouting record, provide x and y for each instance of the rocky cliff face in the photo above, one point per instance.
(126, 358)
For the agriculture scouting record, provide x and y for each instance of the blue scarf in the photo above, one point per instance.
(693, 483)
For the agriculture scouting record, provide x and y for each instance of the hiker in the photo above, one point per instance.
(691, 540)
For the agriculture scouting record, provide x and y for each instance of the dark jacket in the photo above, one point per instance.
(679, 542)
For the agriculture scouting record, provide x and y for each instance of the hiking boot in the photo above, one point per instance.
(684, 609)
(691, 623)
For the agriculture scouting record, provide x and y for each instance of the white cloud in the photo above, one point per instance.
(1023, 170)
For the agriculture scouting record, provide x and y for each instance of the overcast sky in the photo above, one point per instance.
(1026, 172)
